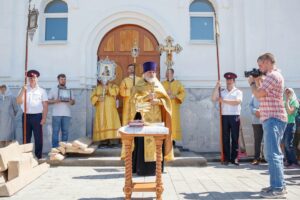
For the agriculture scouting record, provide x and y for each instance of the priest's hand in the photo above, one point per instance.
(105, 87)
(152, 96)
(101, 98)
(155, 102)
(172, 96)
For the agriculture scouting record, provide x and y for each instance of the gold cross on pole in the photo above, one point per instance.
(135, 53)
(169, 49)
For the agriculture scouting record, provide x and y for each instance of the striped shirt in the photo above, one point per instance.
(272, 106)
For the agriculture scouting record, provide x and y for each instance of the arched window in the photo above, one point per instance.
(202, 21)
(56, 21)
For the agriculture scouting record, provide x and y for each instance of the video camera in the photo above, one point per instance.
(254, 72)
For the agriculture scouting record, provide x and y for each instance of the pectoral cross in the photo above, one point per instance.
(169, 49)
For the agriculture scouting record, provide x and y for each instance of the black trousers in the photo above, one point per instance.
(33, 125)
(258, 136)
(139, 166)
(230, 130)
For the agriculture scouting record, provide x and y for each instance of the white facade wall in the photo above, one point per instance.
(247, 29)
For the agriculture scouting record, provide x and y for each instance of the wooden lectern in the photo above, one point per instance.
(127, 134)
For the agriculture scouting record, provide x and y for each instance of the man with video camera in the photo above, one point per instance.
(274, 120)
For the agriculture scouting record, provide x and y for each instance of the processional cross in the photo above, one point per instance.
(169, 49)
(135, 53)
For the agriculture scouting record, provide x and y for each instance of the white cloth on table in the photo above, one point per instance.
(144, 130)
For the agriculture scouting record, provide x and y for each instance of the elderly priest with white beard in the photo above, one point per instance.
(150, 90)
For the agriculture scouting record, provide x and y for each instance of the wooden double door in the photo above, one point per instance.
(117, 45)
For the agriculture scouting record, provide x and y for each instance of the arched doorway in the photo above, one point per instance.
(117, 44)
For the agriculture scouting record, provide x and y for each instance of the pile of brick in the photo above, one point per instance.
(18, 168)
(80, 146)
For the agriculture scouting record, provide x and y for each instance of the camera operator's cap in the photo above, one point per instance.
(230, 75)
(33, 73)
(149, 66)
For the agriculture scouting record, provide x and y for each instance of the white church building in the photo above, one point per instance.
(72, 35)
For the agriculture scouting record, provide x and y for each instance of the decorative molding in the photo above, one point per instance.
(74, 4)
(86, 82)
(224, 4)
(109, 20)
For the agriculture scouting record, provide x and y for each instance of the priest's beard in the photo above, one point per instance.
(150, 80)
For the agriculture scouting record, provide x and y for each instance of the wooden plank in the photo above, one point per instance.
(88, 150)
(13, 186)
(82, 143)
(26, 148)
(18, 167)
(127, 38)
(144, 187)
(10, 152)
(110, 44)
(148, 46)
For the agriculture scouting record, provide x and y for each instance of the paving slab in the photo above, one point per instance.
(212, 182)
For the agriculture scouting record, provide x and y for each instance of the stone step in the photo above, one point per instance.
(87, 161)
(111, 152)
(110, 157)
(114, 161)
(216, 157)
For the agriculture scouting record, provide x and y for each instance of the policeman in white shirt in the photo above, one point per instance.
(62, 98)
(231, 99)
(36, 110)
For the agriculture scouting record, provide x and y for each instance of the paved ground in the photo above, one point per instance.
(212, 182)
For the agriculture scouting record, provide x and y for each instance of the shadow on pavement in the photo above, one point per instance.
(117, 198)
(109, 170)
(292, 172)
(103, 176)
(247, 166)
(293, 177)
(220, 195)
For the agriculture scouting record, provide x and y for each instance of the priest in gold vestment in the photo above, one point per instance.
(106, 120)
(176, 93)
(149, 90)
(125, 92)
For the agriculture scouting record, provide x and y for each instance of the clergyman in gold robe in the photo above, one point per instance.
(176, 93)
(106, 120)
(125, 92)
(150, 90)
